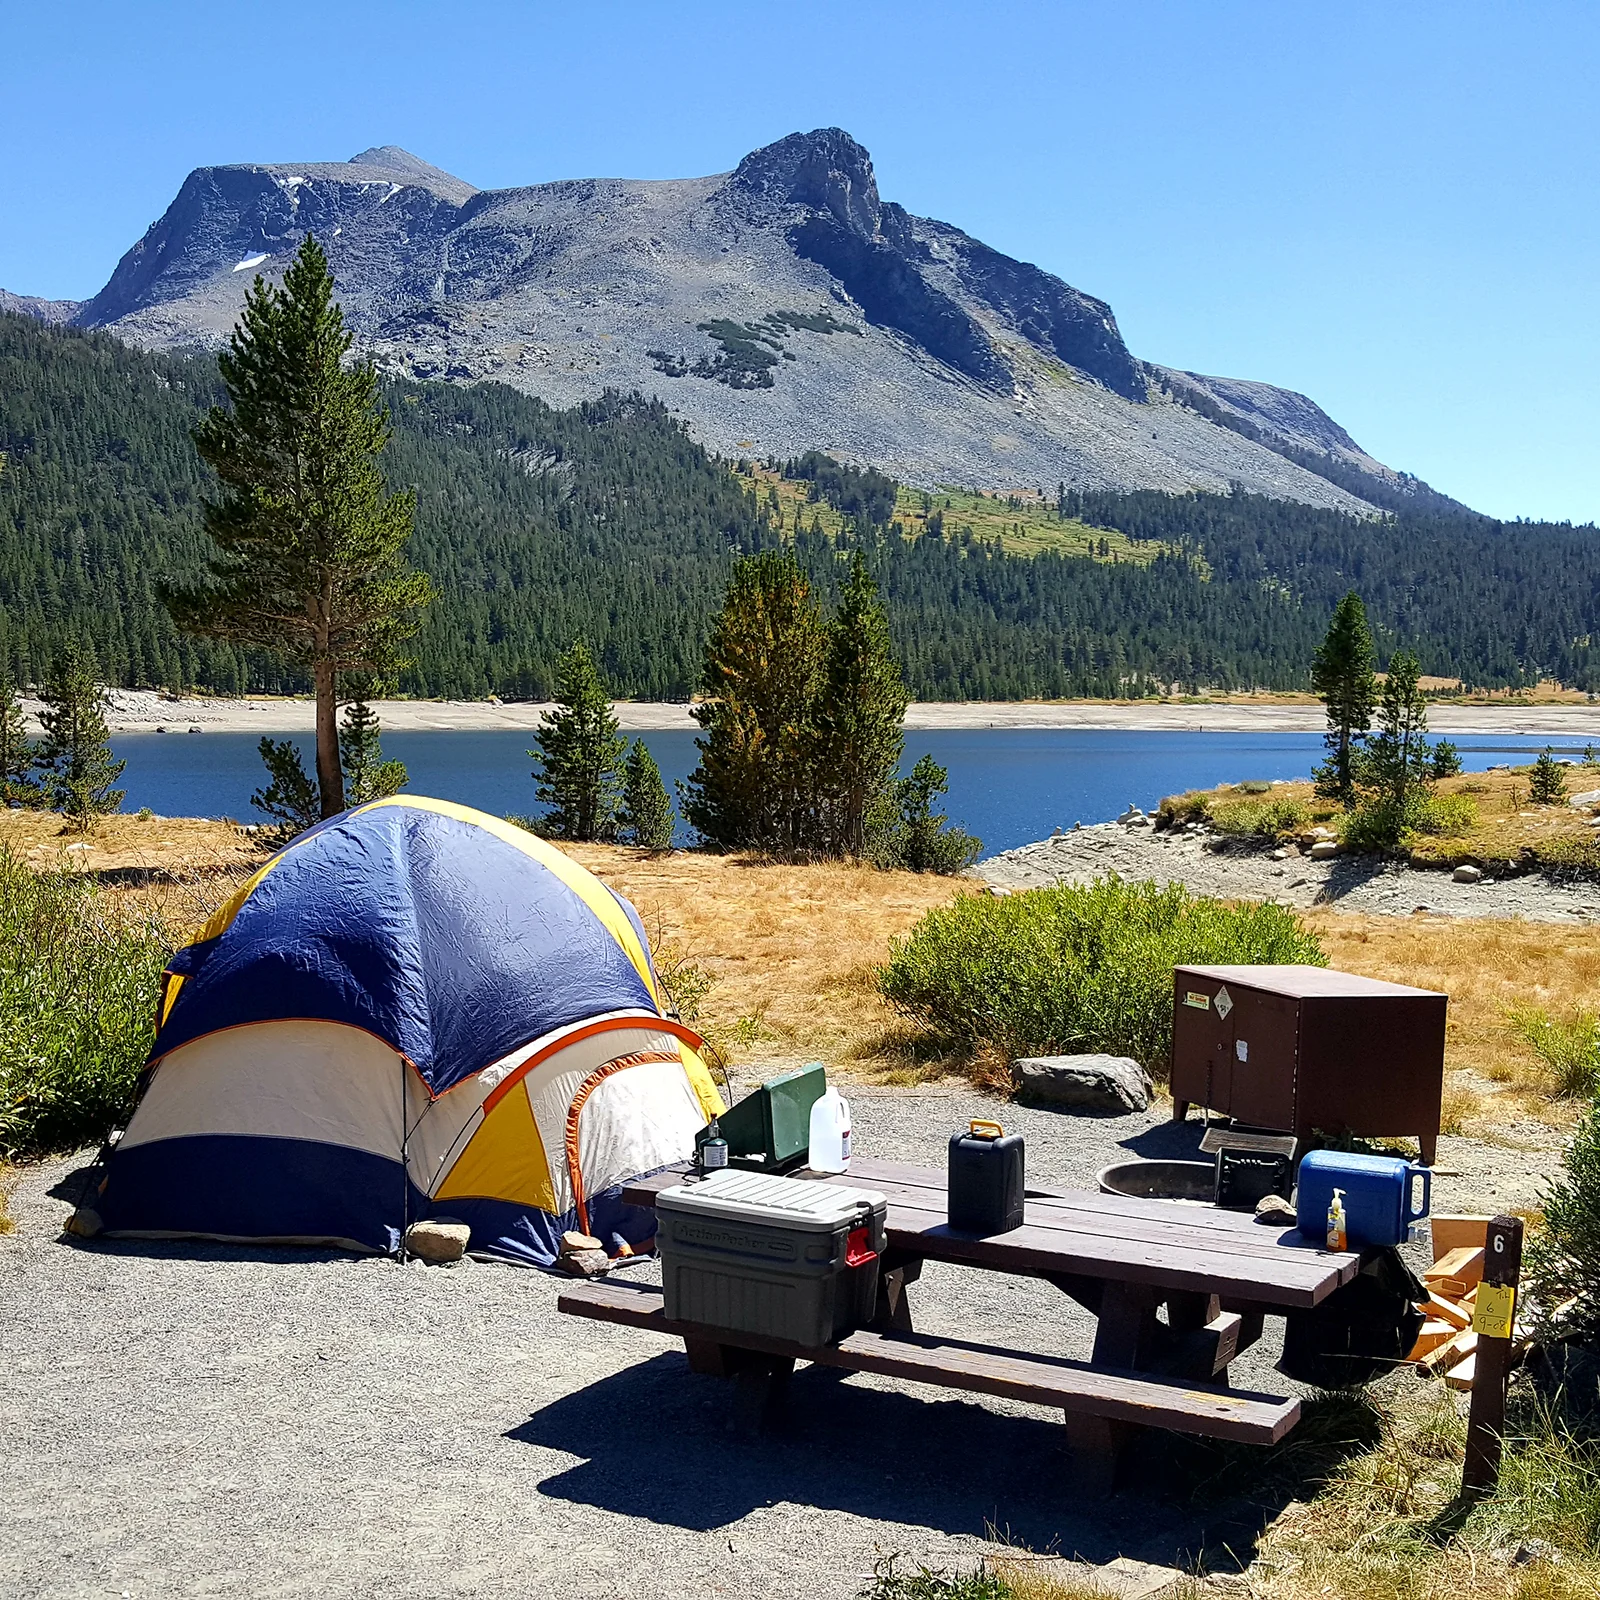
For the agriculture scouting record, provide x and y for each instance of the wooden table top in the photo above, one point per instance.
(1160, 1243)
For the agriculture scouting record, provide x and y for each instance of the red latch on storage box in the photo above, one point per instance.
(857, 1250)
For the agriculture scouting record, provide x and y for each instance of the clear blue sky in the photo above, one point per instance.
(1391, 207)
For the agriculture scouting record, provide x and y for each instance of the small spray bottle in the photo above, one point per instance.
(1338, 1238)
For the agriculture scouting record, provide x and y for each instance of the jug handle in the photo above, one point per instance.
(1426, 1174)
(982, 1128)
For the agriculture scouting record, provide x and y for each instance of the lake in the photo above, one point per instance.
(1007, 785)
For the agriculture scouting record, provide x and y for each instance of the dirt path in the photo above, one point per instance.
(1349, 883)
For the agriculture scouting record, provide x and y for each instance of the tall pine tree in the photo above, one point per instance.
(75, 754)
(754, 784)
(860, 704)
(310, 560)
(579, 751)
(1341, 673)
(1394, 771)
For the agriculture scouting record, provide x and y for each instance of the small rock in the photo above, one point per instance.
(1107, 1084)
(999, 890)
(1324, 850)
(438, 1240)
(1467, 874)
(80, 847)
(1274, 1211)
(1077, 827)
(1531, 1550)
(84, 1223)
(1055, 833)
(572, 1243)
(197, 730)
(585, 1264)
(1280, 855)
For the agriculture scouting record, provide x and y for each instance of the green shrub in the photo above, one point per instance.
(1564, 1256)
(1570, 1051)
(1570, 856)
(80, 978)
(1261, 819)
(1547, 783)
(1076, 968)
(1379, 824)
(1448, 816)
(891, 1581)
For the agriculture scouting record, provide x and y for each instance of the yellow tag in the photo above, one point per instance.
(1494, 1310)
(1201, 1002)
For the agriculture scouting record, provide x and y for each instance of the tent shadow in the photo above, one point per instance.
(655, 1443)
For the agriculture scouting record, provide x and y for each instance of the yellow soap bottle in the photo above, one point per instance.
(1337, 1237)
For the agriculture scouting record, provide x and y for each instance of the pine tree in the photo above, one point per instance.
(309, 562)
(753, 786)
(1341, 673)
(860, 704)
(1547, 783)
(367, 776)
(580, 753)
(1394, 770)
(647, 817)
(915, 836)
(75, 754)
(16, 750)
(290, 796)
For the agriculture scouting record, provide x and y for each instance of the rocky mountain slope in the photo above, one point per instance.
(782, 307)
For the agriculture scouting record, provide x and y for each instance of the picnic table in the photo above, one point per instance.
(1177, 1291)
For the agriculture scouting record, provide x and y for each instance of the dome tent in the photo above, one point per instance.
(412, 1010)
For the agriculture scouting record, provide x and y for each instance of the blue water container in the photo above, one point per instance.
(1383, 1196)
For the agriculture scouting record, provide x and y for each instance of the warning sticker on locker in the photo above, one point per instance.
(1201, 1002)
(1494, 1310)
(1224, 1002)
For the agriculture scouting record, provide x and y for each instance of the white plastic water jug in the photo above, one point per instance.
(830, 1133)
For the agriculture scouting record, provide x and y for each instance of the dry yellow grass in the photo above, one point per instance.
(792, 947)
(1485, 966)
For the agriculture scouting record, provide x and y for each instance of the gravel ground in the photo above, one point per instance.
(1350, 883)
(184, 1419)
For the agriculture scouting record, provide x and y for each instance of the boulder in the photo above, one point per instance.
(1586, 800)
(1111, 1085)
(1466, 873)
(1324, 850)
(438, 1240)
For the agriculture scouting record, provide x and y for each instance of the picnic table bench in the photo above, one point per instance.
(1178, 1291)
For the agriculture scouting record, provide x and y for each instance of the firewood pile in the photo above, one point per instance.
(1447, 1345)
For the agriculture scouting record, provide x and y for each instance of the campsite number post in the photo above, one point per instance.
(1493, 1321)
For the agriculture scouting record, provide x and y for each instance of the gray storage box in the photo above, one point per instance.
(787, 1258)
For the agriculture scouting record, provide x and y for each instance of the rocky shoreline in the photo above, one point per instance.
(146, 710)
(1206, 863)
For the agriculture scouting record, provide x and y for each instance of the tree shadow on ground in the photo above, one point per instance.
(656, 1444)
(1169, 1141)
(1349, 873)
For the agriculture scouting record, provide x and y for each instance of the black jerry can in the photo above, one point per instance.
(986, 1185)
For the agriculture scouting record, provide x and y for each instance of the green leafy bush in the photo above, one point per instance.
(80, 978)
(1260, 819)
(1448, 816)
(1076, 968)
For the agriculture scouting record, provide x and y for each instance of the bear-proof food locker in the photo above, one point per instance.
(1303, 1048)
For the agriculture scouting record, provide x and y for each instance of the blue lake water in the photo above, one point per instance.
(1009, 786)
